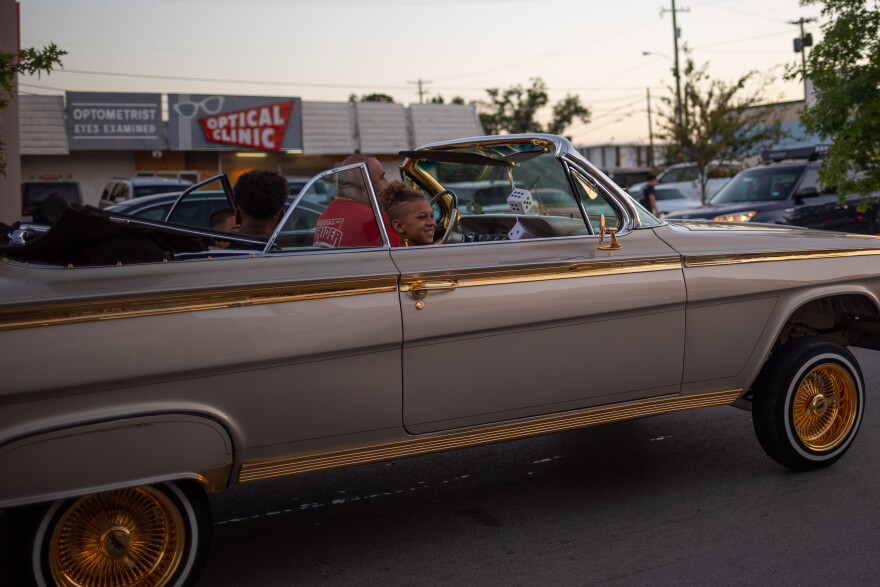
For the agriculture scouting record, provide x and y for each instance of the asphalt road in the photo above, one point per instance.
(680, 499)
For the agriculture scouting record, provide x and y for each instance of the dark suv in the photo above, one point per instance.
(786, 190)
(43, 201)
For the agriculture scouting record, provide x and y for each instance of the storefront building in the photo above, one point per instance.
(91, 137)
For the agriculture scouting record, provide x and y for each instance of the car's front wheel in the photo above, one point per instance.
(808, 403)
(153, 535)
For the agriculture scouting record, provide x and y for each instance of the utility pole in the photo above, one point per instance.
(650, 134)
(421, 91)
(676, 32)
(800, 46)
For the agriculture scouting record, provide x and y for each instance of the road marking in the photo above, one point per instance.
(339, 501)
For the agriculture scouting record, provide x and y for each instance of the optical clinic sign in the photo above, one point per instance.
(114, 121)
(231, 123)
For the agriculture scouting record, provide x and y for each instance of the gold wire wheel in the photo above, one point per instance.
(825, 407)
(121, 538)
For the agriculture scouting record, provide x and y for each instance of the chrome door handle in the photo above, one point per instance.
(420, 289)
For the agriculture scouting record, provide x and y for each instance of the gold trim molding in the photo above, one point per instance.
(216, 479)
(258, 471)
(734, 259)
(151, 305)
(545, 273)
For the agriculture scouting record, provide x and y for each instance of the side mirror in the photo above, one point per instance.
(810, 192)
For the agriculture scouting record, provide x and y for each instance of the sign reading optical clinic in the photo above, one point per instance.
(114, 121)
(233, 123)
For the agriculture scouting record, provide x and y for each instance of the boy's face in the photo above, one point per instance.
(228, 224)
(417, 223)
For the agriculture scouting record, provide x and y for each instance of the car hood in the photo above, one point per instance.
(712, 210)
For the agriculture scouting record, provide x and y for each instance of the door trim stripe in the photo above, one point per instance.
(51, 314)
(544, 273)
(734, 259)
(259, 470)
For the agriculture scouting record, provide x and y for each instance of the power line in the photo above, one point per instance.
(593, 41)
(743, 40)
(319, 84)
(232, 81)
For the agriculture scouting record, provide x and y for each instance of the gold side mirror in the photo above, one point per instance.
(614, 244)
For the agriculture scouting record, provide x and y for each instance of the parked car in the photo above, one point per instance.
(786, 190)
(671, 199)
(318, 194)
(196, 368)
(120, 189)
(685, 177)
(195, 209)
(56, 195)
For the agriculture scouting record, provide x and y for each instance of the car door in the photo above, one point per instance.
(497, 328)
(816, 207)
(287, 345)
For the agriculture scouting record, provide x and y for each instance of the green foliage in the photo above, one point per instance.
(515, 109)
(564, 112)
(27, 62)
(845, 69)
(719, 121)
(374, 97)
(438, 99)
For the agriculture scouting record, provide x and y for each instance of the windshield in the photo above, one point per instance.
(762, 184)
(484, 177)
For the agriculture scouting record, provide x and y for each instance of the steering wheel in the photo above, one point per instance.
(453, 214)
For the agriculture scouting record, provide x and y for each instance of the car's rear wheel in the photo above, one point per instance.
(808, 403)
(146, 536)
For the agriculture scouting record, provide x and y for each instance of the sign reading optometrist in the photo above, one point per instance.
(109, 121)
(232, 123)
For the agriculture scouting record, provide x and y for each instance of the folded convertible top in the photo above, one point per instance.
(89, 236)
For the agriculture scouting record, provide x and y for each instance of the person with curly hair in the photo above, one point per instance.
(409, 213)
(260, 196)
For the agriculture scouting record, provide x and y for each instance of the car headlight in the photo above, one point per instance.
(738, 217)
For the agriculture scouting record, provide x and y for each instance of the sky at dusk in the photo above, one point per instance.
(325, 50)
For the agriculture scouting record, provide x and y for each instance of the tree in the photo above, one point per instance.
(719, 121)
(27, 62)
(374, 97)
(438, 99)
(515, 109)
(844, 68)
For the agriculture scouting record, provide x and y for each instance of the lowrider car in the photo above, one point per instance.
(169, 369)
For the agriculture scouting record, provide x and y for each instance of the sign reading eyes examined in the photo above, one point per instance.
(232, 123)
(109, 121)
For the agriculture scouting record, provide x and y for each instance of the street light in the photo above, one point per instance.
(663, 55)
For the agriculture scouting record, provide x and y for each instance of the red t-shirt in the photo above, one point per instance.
(346, 223)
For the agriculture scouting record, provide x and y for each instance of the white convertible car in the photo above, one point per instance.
(143, 367)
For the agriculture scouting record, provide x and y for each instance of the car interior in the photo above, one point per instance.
(503, 192)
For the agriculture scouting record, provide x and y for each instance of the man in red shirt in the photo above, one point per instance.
(349, 220)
